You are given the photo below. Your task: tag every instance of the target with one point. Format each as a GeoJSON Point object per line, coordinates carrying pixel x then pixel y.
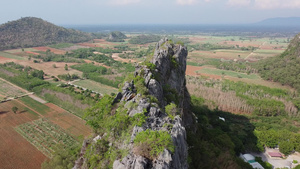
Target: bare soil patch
{"type": "Point", "coordinates": [15, 151]}
{"type": "Point", "coordinates": [33, 53]}
{"type": "Point", "coordinates": [191, 70]}
{"type": "Point", "coordinates": [116, 57]}
{"type": "Point", "coordinates": [4, 59]}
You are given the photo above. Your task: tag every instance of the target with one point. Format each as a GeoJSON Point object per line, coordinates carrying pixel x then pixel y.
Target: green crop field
{"type": "Point", "coordinates": [227, 73]}
{"type": "Point", "coordinates": [97, 87]}
{"type": "Point", "coordinates": [8, 90]}
{"type": "Point", "coordinates": [45, 135]}
{"type": "Point", "coordinates": [10, 56]}
{"type": "Point", "coordinates": [37, 106]}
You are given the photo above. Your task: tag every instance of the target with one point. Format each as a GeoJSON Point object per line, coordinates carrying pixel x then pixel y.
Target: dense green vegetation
{"type": "Point", "coordinates": [25, 77]}
{"type": "Point", "coordinates": [30, 31]}
{"type": "Point", "coordinates": [207, 46]}
{"type": "Point", "coordinates": [283, 68]}
{"type": "Point", "coordinates": [212, 139]}
{"type": "Point", "coordinates": [151, 143]}
{"type": "Point", "coordinates": [104, 117]}
{"type": "Point", "coordinates": [63, 158]}
{"type": "Point", "coordinates": [94, 73]}
{"type": "Point", "coordinates": [68, 77]}
{"type": "Point", "coordinates": [271, 116]}
{"type": "Point", "coordinates": [48, 56]}
{"type": "Point", "coordinates": [65, 96]}
{"type": "Point", "coordinates": [262, 100]}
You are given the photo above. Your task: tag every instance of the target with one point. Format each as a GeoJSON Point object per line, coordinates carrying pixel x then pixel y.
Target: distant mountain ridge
{"type": "Point", "coordinates": [31, 31]}
{"type": "Point", "coordinates": [281, 21]}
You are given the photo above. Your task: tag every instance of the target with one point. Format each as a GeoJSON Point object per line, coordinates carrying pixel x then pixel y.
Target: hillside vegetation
{"type": "Point", "coordinates": [30, 31]}
{"type": "Point", "coordinates": [285, 67]}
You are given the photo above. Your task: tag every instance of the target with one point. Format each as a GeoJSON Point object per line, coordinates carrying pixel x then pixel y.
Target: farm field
{"type": "Point", "coordinates": [226, 73]}
{"type": "Point", "coordinates": [34, 129]}
{"type": "Point", "coordinates": [13, 51]}
{"type": "Point", "coordinates": [7, 90]}
{"type": "Point", "coordinates": [11, 56]}
{"type": "Point", "coordinates": [15, 151]}
{"type": "Point", "coordinates": [95, 86]}
{"type": "Point", "coordinates": [53, 50]}
{"type": "Point", "coordinates": [45, 135]}
{"type": "Point", "coordinates": [48, 68]}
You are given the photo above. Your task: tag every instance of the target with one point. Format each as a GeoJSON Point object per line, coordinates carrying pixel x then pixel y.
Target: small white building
{"type": "Point", "coordinates": [248, 158]}
{"type": "Point", "coordinates": [251, 160]}
{"type": "Point", "coordinates": [256, 165]}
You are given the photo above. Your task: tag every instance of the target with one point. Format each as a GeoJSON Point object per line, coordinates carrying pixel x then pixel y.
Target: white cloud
{"type": "Point", "coordinates": [274, 4]}
{"type": "Point", "coordinates": [186, 2]}
{"type": "Point", "coordinates": [124, 2]}
{"type": "Point", "coordinates": [239, 2]}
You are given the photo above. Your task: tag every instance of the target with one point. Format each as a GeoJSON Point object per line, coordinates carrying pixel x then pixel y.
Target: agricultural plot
{"type": "Point", "coordinates": [7, 90]}
{"type": "Point", "coordinates": [48, 68]}
{"type": "Point", "coordinates": [45, 135]}
{"type": "Point", "coordinates": [227, 73]}
{"type": "Point", "coordinates": [97, 87]}
{"type": "Point", "coordinates": [53, 50]}
{"type": "Point", "coordinates": [72, 124]}
{"type": "Point", "coordinates": [35, 105]}
{"type": "Point", "coordinates": [11, 56]}
{"type": "Point", "coordinates": [15, 151]}
{"type": "Point", "coordinates": [12, 51]}
{"type": "Point", "coordinates": [220, 54]}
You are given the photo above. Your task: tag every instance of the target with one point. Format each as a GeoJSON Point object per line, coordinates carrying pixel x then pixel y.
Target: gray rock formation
{"type": "Point", "coordinates": [164, 80]}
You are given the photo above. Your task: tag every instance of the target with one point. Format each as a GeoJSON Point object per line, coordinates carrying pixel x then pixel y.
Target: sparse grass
{"type": "Point", "coordinates": [227, 73]}
{"type": "Point", "coordinates": [37, 106]}
{"type": "Point", "coordinates": [20, 50]}
{"type": "Point", "coordinates": [61, 45]}
{"type": "Point", "coordinates": [95, 86]}
{"type": "Point", "coordinates": [11, 56]}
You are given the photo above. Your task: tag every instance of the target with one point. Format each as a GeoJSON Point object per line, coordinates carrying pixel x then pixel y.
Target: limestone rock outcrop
{"type": "Point", "coordinates": [164, 79]}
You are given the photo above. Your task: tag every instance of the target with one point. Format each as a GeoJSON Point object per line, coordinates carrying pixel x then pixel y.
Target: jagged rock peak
{"type": "Point", "coordinates": [159, 93]}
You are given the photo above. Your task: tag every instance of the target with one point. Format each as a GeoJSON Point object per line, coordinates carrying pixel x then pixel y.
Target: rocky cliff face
{"type": "Point", "coordinates": [164, 81]}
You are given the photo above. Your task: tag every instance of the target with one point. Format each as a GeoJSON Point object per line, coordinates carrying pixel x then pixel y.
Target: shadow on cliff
{"type": "Point", "coordinates": [218, 138]}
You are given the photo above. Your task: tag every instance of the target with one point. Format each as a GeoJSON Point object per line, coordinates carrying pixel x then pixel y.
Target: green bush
{"type": "Point", "coordinates": [171, 110]}
{"type": "Point", "coordinates": [150, 143]}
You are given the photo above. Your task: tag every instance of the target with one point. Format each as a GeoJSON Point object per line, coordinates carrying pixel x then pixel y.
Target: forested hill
{"type": "Point", "coordinates": [284, 68]}
{"type": "Point", "coordinates": [31, 31]}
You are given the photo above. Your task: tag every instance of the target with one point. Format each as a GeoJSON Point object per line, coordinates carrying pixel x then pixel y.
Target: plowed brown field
{"type": "Point", "coordinates": [15, 151]}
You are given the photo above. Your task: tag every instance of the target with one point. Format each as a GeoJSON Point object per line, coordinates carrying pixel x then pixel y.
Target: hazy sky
{"type": "Point", "coordinates": [149, 11]}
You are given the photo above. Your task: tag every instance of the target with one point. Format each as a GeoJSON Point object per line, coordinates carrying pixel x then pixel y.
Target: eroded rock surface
{"type": "Point", "coordinates": [165, 81]}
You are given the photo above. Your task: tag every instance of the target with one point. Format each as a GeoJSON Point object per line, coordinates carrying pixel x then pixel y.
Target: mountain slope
{"type": "Point", "coordinates": [31, 31]}
{"type": "Point", "coordinates": [285, 67]}
{"type": "Point", "coordinates": [289, 21]}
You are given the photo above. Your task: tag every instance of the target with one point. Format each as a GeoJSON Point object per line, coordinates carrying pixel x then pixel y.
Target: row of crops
{"type": "Point", "coordinates": [45, 135]}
